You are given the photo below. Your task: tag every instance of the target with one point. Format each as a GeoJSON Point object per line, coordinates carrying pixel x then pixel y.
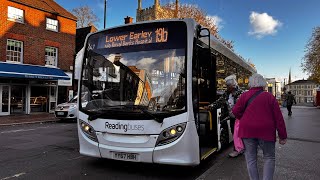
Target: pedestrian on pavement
{"type": "Point", "coordinates": [284, 99]}
{"type": "Point", "coordinates": [229, 98]}
{"type": "Point", "coordinates": [260, 117]}
{"type": "Point", "coordinates": [290, 100]}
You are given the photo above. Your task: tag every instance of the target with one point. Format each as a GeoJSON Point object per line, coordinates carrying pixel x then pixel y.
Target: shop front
{"type": "Point", "coordinates": [26, 89]}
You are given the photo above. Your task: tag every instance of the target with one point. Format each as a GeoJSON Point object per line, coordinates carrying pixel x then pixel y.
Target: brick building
{"type": "Point", "coordinates": [37, 47]}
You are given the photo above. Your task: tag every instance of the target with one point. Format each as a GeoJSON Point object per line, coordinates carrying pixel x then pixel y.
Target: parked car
{"type": "Point", "coordinates": [67, 110]}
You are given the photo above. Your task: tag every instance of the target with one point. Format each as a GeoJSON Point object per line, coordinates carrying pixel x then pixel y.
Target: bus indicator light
{"type": "Point", "coordinates": [88, 131]}
{"type": "Point", "coordinates": [170, 134]}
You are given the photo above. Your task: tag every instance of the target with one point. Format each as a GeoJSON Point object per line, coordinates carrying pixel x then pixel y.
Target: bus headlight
{"type": "Point", "coordinates": [88, 131]}
{"type": "Point", "coordinates": [170, 134]}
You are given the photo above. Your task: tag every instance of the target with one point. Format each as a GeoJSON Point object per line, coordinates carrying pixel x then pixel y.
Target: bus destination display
{"type": "Point", "coordinates": [131, 38]}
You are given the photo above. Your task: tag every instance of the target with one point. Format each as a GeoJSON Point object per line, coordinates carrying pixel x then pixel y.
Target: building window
{"type": "Point", "coordinates": [14, 50]}
{"type": "Point", "coordinates": [51, 56]}
{"type": "Point", "coordinates": [15, 14]}
{"type": "Point", "coordinates": [52, 24]}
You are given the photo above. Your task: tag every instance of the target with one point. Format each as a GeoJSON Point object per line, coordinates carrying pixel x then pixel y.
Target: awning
{"type": "Point", "coordinates": [31, 71]}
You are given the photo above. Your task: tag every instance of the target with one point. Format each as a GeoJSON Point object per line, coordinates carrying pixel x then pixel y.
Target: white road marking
{"type": "Point", "coordinates": [14, 176]}
{"type": "Point", "coordinates": [75, 158]}
{"type": "Point", "coordinates": [22, 130]}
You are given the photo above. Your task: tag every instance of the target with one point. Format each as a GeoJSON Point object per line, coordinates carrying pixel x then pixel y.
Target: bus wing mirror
{"type": "Point", "coordinates": [203, 32]}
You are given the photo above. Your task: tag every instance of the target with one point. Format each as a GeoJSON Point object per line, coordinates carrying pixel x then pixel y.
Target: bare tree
{"type": "Point", "coordinates": [311, 60]}
{"type": "Point", "coordinates": [85, 16]}
{"type": "Point", "coordinates": [168, 11]}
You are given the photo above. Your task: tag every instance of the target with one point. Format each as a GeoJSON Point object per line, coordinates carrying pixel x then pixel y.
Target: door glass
{"type": "Point", "coordinates": [5, 99]}
{"type": "Point", "coordinates": [18, 99]}
{"type": "Point", "coordinates": [52, 98]}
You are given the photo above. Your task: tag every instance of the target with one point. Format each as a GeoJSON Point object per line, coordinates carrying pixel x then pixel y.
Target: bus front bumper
{"type": "Point", "coordinates": [184, 151]}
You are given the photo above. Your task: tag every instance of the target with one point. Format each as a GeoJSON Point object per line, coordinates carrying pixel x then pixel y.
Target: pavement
{"type": "Point", "coordinates": [27, 119]}
{"type": "Point", "coordinates": [298, 159]}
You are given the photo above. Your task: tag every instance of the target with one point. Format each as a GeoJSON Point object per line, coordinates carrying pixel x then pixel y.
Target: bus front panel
{"type": "Point", "coordinates": [133, 86]}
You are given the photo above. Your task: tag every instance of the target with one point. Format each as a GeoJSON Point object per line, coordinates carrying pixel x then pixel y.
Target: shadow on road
{"type": "Point", "coordinates": [151, 171]}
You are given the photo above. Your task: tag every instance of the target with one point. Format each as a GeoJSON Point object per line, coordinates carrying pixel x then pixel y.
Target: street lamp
{"type": "Point", "coordinates": [275, 89]}
{"type": "Point", "coordinates": [105, 12]}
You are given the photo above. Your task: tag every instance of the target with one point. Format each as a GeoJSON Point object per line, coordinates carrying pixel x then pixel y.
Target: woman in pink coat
{"type": "Point", "coordinates": [259, 121]}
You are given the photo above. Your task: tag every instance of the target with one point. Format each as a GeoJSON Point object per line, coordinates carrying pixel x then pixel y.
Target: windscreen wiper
{"type": "Point", "coordinates": [143, 109]}
{"type": "Point", "coordinates": [94, 116]}
{"type": "Point", "coordinates": [159, 120]}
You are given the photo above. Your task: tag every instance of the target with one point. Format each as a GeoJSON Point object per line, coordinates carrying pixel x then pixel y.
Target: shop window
{"type": "Point", "coordinates": [51, 56]}
{"type": "Point", "coordinates": [14, 50]}
{"type": "Point", "coordinates": [18, 99]}
{"type": "Point", "coordinates": [52, 24]}
{"type": "Point", "coordinates": [15, 14]}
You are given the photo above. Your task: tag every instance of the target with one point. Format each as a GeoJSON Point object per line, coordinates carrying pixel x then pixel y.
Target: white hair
{"type": "Point", "coordinates": [257, 80]}
{"type": "Point", "coordinates": [231, 80]}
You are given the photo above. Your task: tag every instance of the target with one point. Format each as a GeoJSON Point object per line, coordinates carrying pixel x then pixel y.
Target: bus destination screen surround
{"type": "Point", "coordinates": [135, 72]}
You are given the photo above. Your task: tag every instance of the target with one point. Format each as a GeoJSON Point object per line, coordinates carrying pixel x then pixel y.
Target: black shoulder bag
{"type": "Point", "coordinates": [252, 98]}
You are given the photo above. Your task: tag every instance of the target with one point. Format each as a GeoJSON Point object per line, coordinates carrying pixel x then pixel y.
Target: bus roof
{"type": "Point", "coordinates": [214, 42]}
{"type": "Point", "coordinates": [223, 49]}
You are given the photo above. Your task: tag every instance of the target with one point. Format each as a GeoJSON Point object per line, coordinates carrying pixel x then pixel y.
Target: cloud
{"type": "Point", "coordinates": [216, 20]}
{"type": "Point", "coordinates": [263, 24]}
{"type": "Point", "coordinates": [145, 63]}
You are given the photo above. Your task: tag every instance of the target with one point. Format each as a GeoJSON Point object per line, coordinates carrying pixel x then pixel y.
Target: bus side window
{"type": "Point", "coordinates": [204, 74]}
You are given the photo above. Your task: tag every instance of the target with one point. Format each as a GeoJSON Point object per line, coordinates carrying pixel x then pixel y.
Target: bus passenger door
{"type": "Point", "coordinates": [203, 94]}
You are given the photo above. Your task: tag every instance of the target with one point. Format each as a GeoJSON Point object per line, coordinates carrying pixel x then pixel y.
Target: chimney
{"type": "Point", "coordinates": [128, 20]}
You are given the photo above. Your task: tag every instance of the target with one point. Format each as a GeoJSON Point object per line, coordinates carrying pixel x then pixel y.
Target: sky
{"type": "Point", "coordinates": [273, 34]}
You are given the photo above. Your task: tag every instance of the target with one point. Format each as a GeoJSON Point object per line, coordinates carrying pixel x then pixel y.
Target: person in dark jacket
{"type": "Point", "coordinates": [290, 100]}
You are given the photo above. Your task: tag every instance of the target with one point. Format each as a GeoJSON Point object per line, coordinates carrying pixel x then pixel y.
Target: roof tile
{"type": "Point", "coordinates": [47, 5]}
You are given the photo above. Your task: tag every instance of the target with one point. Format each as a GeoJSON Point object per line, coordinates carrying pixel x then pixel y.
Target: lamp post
{"type": "Point", "coordinates": [105, 12]}
{"type": "Point", "coordinates": [275, 89]}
